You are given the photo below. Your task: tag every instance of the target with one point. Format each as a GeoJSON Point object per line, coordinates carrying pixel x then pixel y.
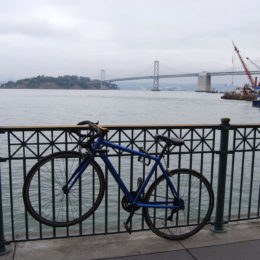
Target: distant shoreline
{"type": "Point", "coordinates": [62, 82]}
{"type": "Point", "coordinates": [57, 88]}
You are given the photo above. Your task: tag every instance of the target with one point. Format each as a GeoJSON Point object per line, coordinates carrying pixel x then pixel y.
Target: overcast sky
{"type": "Point", "coordinates": [81, 37]}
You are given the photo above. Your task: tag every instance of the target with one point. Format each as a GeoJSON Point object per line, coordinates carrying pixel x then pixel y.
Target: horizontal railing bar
{"type": "Point", "coordinates": [126, 127]}
{"type": "Point", "coordinates": [112, 127]}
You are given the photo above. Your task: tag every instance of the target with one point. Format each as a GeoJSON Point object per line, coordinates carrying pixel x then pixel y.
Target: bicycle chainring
{"type": "Point", "coordinates": [126, 203]}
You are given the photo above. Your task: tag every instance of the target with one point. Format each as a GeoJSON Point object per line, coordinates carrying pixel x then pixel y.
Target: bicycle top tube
{"type": "Point", "coordinates": [122, 148]}
{"type": "Point", "coordinates": [97, 131]}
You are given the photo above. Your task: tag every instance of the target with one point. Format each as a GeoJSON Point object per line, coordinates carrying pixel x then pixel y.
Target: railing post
{"type": "Point", "coordinates": [3, 249]}
{"type": "Point", "coordinates": [219, 219]}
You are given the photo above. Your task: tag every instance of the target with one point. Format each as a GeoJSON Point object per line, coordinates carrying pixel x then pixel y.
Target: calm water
{"type": "Point", "coordinates": [66, 107]}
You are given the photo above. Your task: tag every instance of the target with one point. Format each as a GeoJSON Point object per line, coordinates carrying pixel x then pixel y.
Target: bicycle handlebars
{"type": "Point", "coordinates": [101, 131]}
{"type": "Point", "coordinates": [86, 122]}
{"type": "Point", "coordinates": [94, 127]}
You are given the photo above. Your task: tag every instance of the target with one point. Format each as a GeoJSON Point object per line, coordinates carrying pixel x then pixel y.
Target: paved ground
{"type": "Point", "coordinates": [241, 241]}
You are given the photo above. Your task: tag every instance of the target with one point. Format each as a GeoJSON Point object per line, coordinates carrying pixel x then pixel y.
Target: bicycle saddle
{"type": "Point", "coordinates": [171, 141]}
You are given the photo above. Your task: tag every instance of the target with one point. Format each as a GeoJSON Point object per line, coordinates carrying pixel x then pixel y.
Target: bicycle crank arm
{"type": "Point", "coordinates": [128, 229]}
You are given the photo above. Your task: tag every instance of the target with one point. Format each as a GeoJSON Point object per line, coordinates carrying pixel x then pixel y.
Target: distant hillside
{"type": "Point", "coordinates": [62, 82]}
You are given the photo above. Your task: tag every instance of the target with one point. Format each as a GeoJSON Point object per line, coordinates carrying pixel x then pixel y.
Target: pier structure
{"type": "Point", "coordinates": [103, 78]}
{"type": "Point", "coordinates": [156, 76]}
{"type": "Point", "coordinates": [204, 82]}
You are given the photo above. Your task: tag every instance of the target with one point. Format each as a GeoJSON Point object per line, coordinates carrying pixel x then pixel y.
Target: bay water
{"type": "Point", "coordinates": [20, 107]}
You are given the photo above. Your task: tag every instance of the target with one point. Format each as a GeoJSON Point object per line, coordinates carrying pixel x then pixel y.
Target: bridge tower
{"type": "Point", "coordinates": [103, 73]}
{"type": "Point", "coordinates": [156, 76]}
{"type": "Point", "coordinates": [204, 82]}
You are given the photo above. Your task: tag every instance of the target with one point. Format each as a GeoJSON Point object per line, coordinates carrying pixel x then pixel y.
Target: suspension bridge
{"type": "Point", "coordinates": [203, 82]}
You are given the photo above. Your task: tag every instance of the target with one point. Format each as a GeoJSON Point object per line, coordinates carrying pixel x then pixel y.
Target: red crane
{"type": "Point", "coordinates": [253, 82]}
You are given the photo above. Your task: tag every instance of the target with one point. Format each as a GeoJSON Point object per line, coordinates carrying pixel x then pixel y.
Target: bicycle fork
{"type": "Point", "coordinates": [77, 173]}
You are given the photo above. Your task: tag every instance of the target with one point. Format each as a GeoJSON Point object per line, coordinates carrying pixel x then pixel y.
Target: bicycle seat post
{"type": "Point", "coordinates": [164, 149]}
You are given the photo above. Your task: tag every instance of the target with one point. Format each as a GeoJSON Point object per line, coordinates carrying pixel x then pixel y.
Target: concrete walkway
{"type": "Point", "coordinates": [241, 241]}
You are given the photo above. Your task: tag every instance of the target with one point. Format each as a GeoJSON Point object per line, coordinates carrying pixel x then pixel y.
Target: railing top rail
{"type": "Point", "coordinates": [64, 127]}
{"type": "Point", "coordinates": [148, 126]}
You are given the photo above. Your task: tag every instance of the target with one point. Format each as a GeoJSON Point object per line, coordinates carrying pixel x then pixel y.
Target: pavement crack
{"type": "Point", "coordinates": [15, 244]}
{"type": "Point", "coordinates": [188, 251]}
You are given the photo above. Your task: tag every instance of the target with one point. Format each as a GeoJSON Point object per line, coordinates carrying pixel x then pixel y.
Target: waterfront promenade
{"type": "Point", "coordinates": [241, 241]}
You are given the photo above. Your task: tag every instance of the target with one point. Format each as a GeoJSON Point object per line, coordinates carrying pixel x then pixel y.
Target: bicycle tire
{"type": "Point", "coordinates": [198, 197]}
{"type": "Point", "coordinates": [43, 195]}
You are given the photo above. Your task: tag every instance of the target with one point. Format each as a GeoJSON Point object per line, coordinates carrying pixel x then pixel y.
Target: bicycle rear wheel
{"type": "Point", "coordinates": [195, 192]}
{"type": "Point", "coordinates": [44, 197]}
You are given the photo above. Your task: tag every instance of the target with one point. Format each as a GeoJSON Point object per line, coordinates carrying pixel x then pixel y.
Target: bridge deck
{"type": "Point", "coordinates": [184, 75]}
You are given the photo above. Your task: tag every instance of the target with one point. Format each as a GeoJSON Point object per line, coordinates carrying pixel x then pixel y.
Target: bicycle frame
{"type": "Point", "coordinates": [134, 201]}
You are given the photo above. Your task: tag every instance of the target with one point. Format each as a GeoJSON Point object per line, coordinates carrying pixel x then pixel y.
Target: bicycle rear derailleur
{"type": "Point", "coordinates": [177, 203]}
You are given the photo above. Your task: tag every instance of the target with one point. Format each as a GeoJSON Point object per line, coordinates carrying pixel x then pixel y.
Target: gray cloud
{"type": "Point", "coordinates": [82, 37]}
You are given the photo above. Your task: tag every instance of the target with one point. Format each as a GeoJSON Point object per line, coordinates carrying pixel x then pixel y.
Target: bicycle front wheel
{"type": "Point", "coordinates": [45, 199]}
{"type": "Point", "coordinates": [197, 196]}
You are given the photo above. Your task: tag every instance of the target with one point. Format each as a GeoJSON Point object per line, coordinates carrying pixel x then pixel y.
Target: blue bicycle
{"type": "Point", "coordinates": [65, 188]}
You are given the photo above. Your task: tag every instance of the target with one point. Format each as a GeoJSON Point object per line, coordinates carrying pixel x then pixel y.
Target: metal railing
{"type": "Point", "coordinates": [227, 155]}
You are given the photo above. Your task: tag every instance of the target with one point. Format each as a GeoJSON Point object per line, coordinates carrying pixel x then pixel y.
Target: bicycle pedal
{"type": "Point", "coordinates": [128, 229]}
